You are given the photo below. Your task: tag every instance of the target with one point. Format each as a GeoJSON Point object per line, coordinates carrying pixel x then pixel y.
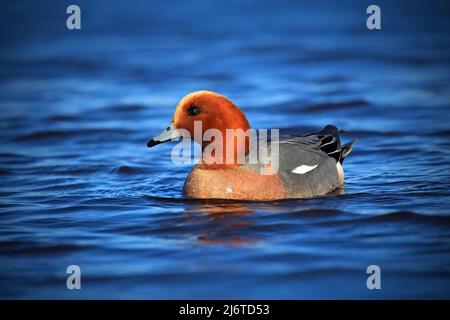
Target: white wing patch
{"type": "Point", "coordinates": [303, 169]}
{"type": "Point", "coordinates": [229, 190]}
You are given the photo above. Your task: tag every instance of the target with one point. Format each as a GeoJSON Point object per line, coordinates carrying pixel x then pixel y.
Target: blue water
{"type": "Point", "coordinates": [79, 186]}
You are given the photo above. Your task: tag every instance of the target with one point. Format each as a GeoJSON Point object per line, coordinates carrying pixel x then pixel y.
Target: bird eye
{"type": "Point", "coordinates": [193, 110]}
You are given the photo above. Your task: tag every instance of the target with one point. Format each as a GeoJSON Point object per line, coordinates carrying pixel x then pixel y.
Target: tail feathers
{"type": "Point", "coordinates": [346, 149]}
{"type": "Point", "coordinates": [330, 143]}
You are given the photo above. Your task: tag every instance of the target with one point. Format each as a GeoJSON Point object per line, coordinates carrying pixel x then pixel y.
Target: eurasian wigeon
{"type": "Point", "coordinates": [308, 165]}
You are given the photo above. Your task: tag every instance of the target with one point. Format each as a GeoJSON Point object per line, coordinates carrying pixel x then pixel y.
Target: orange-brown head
{"type": "Point", "coordinates": [212, 111]}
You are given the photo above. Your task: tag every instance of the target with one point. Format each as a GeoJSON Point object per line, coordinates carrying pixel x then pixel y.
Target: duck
{"type": "Point", "coordinates": [309, 165]}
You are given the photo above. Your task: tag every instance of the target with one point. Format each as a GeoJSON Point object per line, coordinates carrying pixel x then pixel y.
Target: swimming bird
{"type": "Point", "coordinates": [308, 165]}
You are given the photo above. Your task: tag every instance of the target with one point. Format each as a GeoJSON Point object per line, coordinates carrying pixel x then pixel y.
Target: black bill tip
{"type": "Point", "coordinates": [152, 143]}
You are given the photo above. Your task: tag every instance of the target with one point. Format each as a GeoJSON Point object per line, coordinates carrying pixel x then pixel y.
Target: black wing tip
{"type": "Point", "coordinates": [333, 147]}
{"type": "Point", "coordinates": [329, 129]}
{"type": "Point", "coordinates": [332, 130]}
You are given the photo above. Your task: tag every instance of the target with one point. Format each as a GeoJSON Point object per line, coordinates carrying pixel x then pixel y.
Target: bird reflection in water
{"type": "Point", "coordinates": [229, 223]}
